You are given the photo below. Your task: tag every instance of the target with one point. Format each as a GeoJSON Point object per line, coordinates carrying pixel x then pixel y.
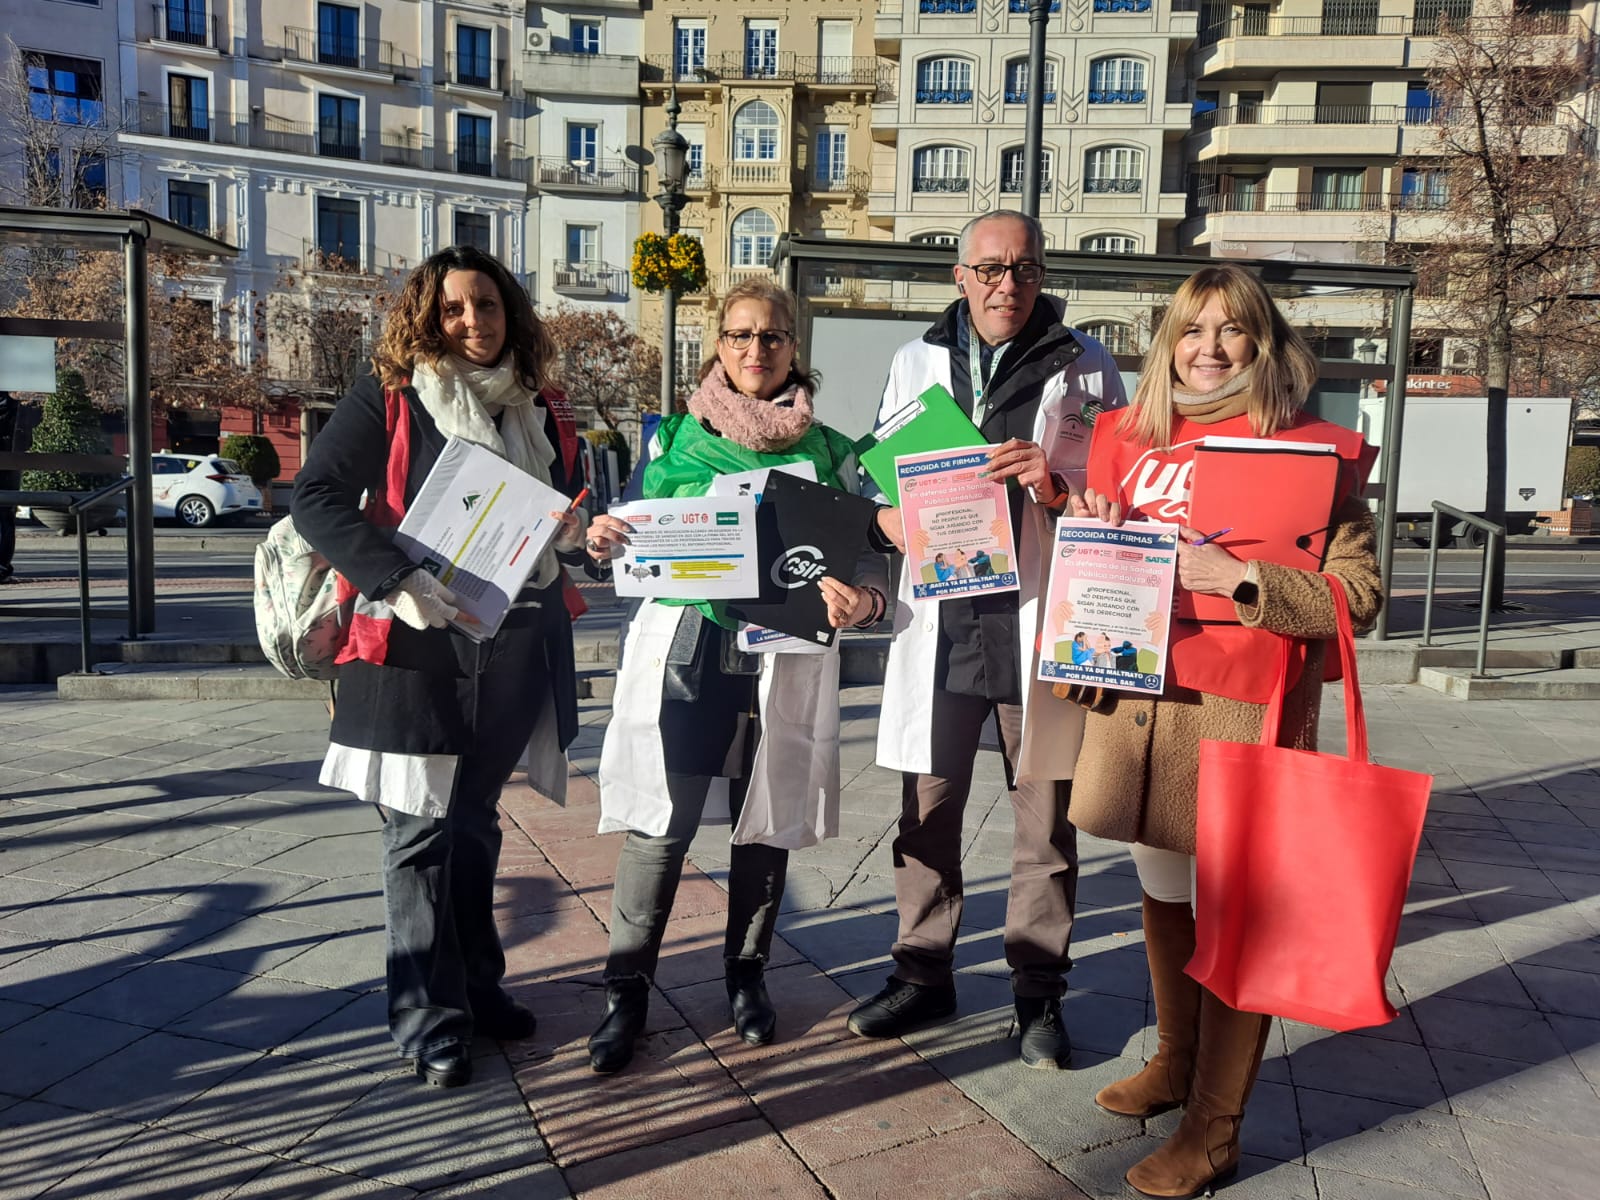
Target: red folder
{"type": "Point", "coordinates": [1278, 500]}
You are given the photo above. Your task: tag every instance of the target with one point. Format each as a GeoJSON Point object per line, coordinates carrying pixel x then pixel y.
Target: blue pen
{"type": "Point", "coordinates": [1211, 537]}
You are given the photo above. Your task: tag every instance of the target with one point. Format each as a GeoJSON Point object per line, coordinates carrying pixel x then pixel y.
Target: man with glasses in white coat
{"type": "Point", "coordinates": [1033, 388]}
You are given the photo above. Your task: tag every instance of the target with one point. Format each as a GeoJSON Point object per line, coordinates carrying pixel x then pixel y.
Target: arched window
{"type": "Point", "coordinates": [936, 239]}
{"type": "Point", "coordinates": [755, 132]}
{"type": "Point", "coordinates": [941, 169]}
{"type": "Point", "coordinates": [944, 81]}
{"type": "Point", "coordinates": [1116, 81]}
{"type": "Point", "coordinates": [1017, 81]}
{"type": "Point", "coordinates": [1011, 170]}
{"type": "Point", "coordinates": [755, 236]}
{"type": "Point", "coordinates": [1114, 169]}
{"type": "Point", "coordinates": [1114, 335]}
{"type": "Point", "coordinates": [1110, 243]}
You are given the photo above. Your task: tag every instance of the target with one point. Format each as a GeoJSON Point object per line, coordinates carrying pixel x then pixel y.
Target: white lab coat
{"type": "Point", "coordinates": [793, 795]}
{"type": "Point", "coordinates": [905, 722]}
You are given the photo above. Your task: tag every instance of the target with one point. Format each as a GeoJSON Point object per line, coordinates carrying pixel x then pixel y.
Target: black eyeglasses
{"type": "Point", "coordinates": [992, 273]}
{"type": "Point", "coordinates": [771, 339]}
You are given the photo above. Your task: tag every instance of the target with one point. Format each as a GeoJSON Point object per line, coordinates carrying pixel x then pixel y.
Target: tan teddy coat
{"type": "Point", "coordinates": [1139, 769]}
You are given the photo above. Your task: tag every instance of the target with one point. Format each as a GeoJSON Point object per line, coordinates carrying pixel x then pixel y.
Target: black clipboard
{"type": "Point", "coordinates": [804, 530]}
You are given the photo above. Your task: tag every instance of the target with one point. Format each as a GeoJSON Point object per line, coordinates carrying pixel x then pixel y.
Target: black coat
{"type": "Point", "coordinates": [423, 699]}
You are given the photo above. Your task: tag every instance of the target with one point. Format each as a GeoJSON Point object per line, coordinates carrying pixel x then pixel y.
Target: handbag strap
{"type": "Point", "coordinates": [1355, 717]}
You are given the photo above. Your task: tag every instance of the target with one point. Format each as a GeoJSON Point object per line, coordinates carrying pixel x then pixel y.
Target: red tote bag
{"type": "Point", "coordinates": [1303, 860]}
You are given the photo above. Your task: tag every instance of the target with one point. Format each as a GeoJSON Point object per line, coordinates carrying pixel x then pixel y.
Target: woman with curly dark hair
{"type": "Point", "coordinates": [429, 723]}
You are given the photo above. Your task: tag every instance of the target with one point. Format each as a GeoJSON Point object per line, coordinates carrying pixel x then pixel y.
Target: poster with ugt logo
{"type": "Point", "coordinates": [958, 524]}
{"type": "Point", "coordinates": [1108, 609]}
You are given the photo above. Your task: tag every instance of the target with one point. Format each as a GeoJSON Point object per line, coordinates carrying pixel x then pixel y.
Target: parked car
{"type": "Point", "coordinates": [199, 488]}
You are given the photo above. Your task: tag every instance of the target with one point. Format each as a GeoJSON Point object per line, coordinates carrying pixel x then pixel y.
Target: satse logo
{"type": "Point", "coordinates": [798, 566]}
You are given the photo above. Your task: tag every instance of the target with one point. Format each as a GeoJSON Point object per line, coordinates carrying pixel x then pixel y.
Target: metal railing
{"type": "Point", "coordinates": [1281, 202]}
{"type": "Point", "coordinates": [181, 24]}
{"type": "Point", "coordinates": [78, 505]}
{"type": "Point", "coordinates": [588, 278]}
{"type": "Point", "coordinates": [184, 124]}
{"type": "Point", "coordinates": [336, 50]}
{"type": "Point", "coordinates": [1496, 534]}
{"type": "Point", "coordinates": [598, 175]}
{"type": "Point", "coordinates": [1367, 23]}
{"type": "Point", "coordinates": [785, 65]}
{"type": "Point", "coordinates": [1347, 114]}
{"type": "Point", "coordinates": [475, 70]}
{"type": "Point", "coordinates": [405, 148]}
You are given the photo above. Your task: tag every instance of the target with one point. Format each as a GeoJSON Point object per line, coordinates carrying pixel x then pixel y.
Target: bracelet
{"type": "Point", "coordinates": [880, 605]}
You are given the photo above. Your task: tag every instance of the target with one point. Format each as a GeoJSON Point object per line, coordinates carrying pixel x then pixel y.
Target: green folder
{"type": "Point", "coordinates": [933, 421]}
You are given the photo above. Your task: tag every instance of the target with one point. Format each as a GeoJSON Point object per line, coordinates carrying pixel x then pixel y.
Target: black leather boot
{"type": "Point", "coordinates": [611, 1046]}
{"type": "Point", "coordinates": [449, 1066]}
{"type": "Point", "coordinates": [754, 1018]}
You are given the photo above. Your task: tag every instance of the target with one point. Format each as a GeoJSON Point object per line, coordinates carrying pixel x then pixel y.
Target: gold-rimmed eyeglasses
{"type": "Point", "coordinates": [771, 339]}
{"type": "Point", "coordinates": [991, 273]}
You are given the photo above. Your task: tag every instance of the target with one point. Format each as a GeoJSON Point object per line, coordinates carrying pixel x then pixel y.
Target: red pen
{"type": "Point", "coordinates": [578, 499]}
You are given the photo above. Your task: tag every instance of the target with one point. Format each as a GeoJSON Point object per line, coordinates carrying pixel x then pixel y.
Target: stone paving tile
{"type": "Point", "coordinates": [170, 879]}
{"type": "Point", "coordinates": [261, 1013]}
{"type": "Point", "coordinates": [62, 971]}
{"type": "Point", "coordinates": [746, 1159]}
{"type": "Point", "coordinates": [405, 1133]}
{"type": "Point", "coordinates": [54, 1045]}
{"type": "Point", "coordinates": [335, 857]}
{"type": "Point", "coordinates": [1420, 1149]}
{"type": "Point", "coordinates": [673, 1087]}
{"type": "Point", "coordinates": [246, 889]}
{"type": "Point", "coordinates": [984, 1160]}
{"type": "Point", "coordinates": [1531, 1164]}
{"type": "Point", "coordinates": [1575, 993]}
{"type": "Point", "coordinates": [1421, 973]}
{"type": "Point", "coordinates": [291, 1181]}
{"type": "Point", "coordinates": [335, 904]}
{"type": "Point", "coordinates": [83, 866]}
{"type": "Point", "coordinates": [356, 1037]}
{"type": "Point", "coordinates": [811, 1013]}
{"type": "Point", "coordinates": [159, 1162]}
{"type": "Point", "coordinates": [1340, 1185]}
{"type": "Point", "coordinates": [14, 1012]}
{"type": "Point", "coordinates": [854, 1098]}
{"type": "Point", "coordinates": [1459, 1025]}
{"type": "Point", "coordinates": [147, 1079]}
{"type": "Point", "coordinates": [354, 962]}
{"type": "Point", "coordinates": [154, 994]}
{"type": "Point", "coordinates": [272, 1104]}
{"type": "Point", "coordinates": [1553, 1096]}
{"type": "Point", "coordinates": [45, 1143]}
{"type": "Point", "coordinates": [241, 847]}
{"type": "Point", "coordinates": [251, 945]}
{"type": "Point", "coordinates": [161, 929]}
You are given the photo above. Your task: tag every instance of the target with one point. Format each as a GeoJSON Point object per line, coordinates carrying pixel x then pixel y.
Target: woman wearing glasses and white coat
{"type": "Point", "coordinates": [690, 709]}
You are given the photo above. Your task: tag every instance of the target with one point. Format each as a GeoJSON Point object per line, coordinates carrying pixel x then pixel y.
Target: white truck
{"type": "Point", "coordinates": [1443, 457]}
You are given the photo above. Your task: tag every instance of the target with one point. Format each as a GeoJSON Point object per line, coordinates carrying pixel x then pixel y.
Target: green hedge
{"type": "Point", "coordinates": [70, 425]}
{"type": "Point", "coordinates": [1583, 471]}
{"type": "Point", "coordinates": [255, 455]}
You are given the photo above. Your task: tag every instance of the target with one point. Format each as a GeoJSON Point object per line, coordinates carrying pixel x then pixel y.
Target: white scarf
{"type": "Point", "coordinates": [463, 400]}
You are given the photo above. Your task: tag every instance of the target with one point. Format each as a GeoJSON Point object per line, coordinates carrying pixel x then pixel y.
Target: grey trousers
{"type": "Point", "coordinates": [927, 858]}
{"type": "Point", "coordinates": [648, 871]}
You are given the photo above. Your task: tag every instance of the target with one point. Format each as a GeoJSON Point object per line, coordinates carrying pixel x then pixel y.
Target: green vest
{"type": "Point", "coordinates": [685, 458]}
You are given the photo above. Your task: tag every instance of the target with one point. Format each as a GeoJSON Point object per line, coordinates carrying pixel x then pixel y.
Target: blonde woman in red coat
{"type": "Point", "coordinates": [1223, 363]}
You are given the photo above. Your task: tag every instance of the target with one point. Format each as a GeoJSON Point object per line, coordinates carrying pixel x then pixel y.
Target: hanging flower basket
{"type": "Point", "coordinates": [677, 262]}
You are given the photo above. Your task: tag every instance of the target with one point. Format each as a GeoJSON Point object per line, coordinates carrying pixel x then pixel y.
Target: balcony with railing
{"type": "Point", "coordinates": [1255, 201]}
{"type": "Point", "coordinates": [852, 181]}
{"type": "Point", "coordinates": [1113, 185]}
{"type": "Point", "coordinates": [476, 71]}
{"type": "Point", "coordinates": [759, 175]}
{"type": "Point", "coordinates": [947, 7]}
{"type": "Point", "coordinates": [313, 47]}
{"type": "Point", "coordinates": [821, 71]}
{"type": "Point", "coordinates": [1011, 183]}
{"type": "Point", "coordinates": [1122, 6]}
{"type": "Point", "coordinates": [331, 260]}
{"type": "Point", "coordinates": [183, 124]}
{"type": "Point", "coordinates": [612, 176]}
{"type": "Point", "coordinates": [588, 280]}
{"type": "Point", "coordinates": [940, 184]}
{"type": "Point", "coordinates": [833, 70]}
{"type": "Point", "coordinates": [405, 148]}
{"type": "Point", "coordinates": [944, 95]}
{"type": "Point", "coordinates": [185, 25]}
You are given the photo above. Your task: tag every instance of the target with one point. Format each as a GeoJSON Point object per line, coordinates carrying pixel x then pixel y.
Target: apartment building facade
{"type": "Point", "coordinates": [776, 105]}
{"type": "Point", "coordinates": [581, 76]}
{"type": "Point", "coordinates": [1312, 131]}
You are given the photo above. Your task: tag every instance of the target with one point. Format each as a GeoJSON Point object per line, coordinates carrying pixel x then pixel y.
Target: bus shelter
{"type": "Point", "coordinates": [27, 349]}
{"type": "Point", "coordinates": [861, 300]}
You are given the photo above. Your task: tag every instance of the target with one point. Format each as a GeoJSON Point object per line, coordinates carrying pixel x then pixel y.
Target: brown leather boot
{"type": "Point", "coordinates": [1164, 1082]}
{"type": "Point", "coordinates": [1204, 1149]}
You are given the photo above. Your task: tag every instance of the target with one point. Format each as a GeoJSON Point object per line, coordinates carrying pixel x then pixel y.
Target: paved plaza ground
{"type": "Point", "coordinates": [191, 958]}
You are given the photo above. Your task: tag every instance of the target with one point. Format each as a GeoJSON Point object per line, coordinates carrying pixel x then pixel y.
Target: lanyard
{"type": "Point", "coordinates": [975, 367]}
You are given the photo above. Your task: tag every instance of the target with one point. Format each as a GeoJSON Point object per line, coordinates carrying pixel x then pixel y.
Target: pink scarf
{"type": "Point", "coordinates": [765, 426]}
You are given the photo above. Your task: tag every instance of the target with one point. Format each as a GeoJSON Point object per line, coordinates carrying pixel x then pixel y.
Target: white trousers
{"type": "Point", "coordinates": [1164, 875]}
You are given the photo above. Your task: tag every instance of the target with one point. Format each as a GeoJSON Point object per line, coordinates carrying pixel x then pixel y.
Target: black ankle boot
{"type": "Point", "coordinates": [611, 1046]}
{"type": "Point", "coordinates": [754, 1018]}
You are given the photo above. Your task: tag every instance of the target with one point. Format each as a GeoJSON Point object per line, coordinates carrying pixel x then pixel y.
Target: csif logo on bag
{"type": "Point", "coordinates": [798, 566]}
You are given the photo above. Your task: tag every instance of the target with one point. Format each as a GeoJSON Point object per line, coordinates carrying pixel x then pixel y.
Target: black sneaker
{"type": "Point", "coordinates": [900, 1007]}
{"type": "Point", "coordinates": [1044, 1043]}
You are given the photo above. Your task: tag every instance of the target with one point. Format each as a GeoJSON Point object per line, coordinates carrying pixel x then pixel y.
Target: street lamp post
{"type": "Point", "coordinates": [1033, 127]}
{"type": "Point", "coordinates": [671, 150]}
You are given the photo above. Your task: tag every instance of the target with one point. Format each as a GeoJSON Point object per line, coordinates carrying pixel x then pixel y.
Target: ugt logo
{"type": "Point", "coordinates": [798, 566]}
